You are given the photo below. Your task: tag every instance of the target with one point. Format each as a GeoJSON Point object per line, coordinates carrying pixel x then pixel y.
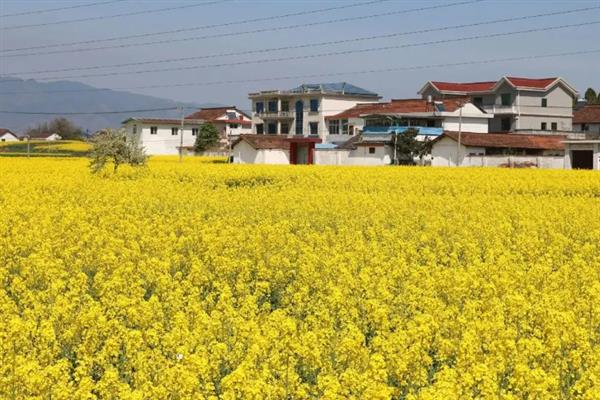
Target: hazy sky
{"type": "Point", "coordinates": [581, 70]}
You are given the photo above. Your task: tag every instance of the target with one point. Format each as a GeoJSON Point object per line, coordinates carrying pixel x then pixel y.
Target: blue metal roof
{"type": "Point", "coordinates": [337, 88]}
{"type": "Point", "coordinates": [325, 146]}
{"type": "Point", "coordinates": [423, 130]}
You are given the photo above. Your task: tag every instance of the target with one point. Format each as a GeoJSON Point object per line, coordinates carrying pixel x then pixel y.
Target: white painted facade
{"type": "Point", "coordinates": [589, 146]}
{"type": "Point", "coordinates": [52, 137]}
{"type": "Point", "coordinates": [472, 120]}
{"type": "Point", "coordinates": [244, 153]}
{"type": "Point", "coordinates": [361, 155]}
{"type": "Point", "coordinates": [158, 138]}
{"type": "Point", "coordinates": [8, 137]}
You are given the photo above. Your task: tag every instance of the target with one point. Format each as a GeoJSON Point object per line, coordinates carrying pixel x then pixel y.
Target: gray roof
{"type": "Point", "coordinates": [336, 88]}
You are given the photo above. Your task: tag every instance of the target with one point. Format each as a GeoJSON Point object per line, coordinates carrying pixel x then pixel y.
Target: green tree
{"type": "Point", "coordinates": [113, 146]}
{"type": "Point", "coordinates": [590, 96]}
{"type": "Point", "coordinates": [207, 137]}
{"type": "Point", "coordinates": [408, 147]}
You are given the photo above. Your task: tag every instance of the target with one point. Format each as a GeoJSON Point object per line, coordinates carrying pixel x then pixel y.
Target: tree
{"type": "Point", "coordinates": [590, 96]}
{"type": "Point", "coordinates": [408, 147]}
{"type": "Point", "coordinates": [207, 137]}
{"type": "Point", "coordinates": [62, 126]}
{"type": "Point", "coordinates": [113, 146]}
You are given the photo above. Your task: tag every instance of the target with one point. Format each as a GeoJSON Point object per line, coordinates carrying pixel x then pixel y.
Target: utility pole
{"type": "Point", "coordinates": [181, 136]}
{"type": "Point", "coordinates": [28, 146]}
{"type": "Point", "coordinates": [459, 135]}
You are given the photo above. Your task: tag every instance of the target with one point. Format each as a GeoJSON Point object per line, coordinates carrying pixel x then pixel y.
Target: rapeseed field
{"type": "Point", "coordinates": [204, 280]}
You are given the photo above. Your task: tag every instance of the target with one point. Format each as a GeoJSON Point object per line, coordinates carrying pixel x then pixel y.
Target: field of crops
{"type": "Point", "coordinates": [207, 280]}
{"type": "Point", "coordinates": [58, 148]}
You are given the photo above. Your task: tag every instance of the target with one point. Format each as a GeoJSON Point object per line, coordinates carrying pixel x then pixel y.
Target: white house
{"type": "Point", "coordinates": [164, 136]}
{"type": "Point", "coordinates": [6, 135]}
{"type": "Point", "coordinates": [301, 111]}
{"type": "Point", "coordinates": [47, 136]}
{"type": "Point", "coordinates": [358, 150]}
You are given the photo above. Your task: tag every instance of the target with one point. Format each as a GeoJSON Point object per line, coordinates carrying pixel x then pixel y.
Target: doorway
{"type": "Point", "coordinates": [582, 159]}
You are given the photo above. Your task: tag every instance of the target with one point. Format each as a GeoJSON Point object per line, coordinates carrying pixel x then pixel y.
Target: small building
{"type": "Point", "coordinates": [47, 136]}
{"type": "Point", "coordinates": [161, 136]}
{"type": "Point", "coordinates": [498, 150]}
{"type": "Point", "coordinates": [270, 149]}
{"type": "Point", "coordinates": [587, 119]}
{"type": "Point", "coordinates": [366, 150]}
{"type": "Point", "coordinates": [6, 135]}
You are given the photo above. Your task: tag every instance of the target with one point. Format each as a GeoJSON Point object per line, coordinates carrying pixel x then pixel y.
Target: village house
{"type": "Point", "coordinates": [587, 119]}
{"type": "Point", "coordinates": [47, 136]}
{"type": "Point", "coordinates": [301, 111]}
{"type": "Point", "coordinates": [161, 136]}
{"type": "Point", "coordinates": [522, 105]}
{"type": "Point", "coordinates": [6, 135]}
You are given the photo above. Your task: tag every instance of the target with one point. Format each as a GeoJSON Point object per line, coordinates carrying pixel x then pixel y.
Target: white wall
{"type": "Point", "coordinates": [162, 143]}
{"type": "Point", "coordinates": [243, 153]}
{"type": "Point", "coordinates": [8, 137]}
{"type": "Point", "coordinates": [53, 137]}
{"type": "Point", "coordinates": [359, 156]}
{"type": "Point", "coordinates": [478, 125]}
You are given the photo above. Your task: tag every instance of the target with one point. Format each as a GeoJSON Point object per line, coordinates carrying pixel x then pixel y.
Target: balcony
{"type": "Point", "coordinates": [499, 109]}
{"type": "Point", "coordinates": [275, 114]}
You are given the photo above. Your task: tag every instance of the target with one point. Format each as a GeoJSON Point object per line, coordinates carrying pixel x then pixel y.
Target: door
{"type": "Point", "coordinates": [582, 159]}
{"type": "Point", "coordinates": [302, 154]}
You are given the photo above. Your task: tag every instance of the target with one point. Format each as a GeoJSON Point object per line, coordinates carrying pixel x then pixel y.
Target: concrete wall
{"type": "Point", "coordinates": [243, 153]}
{"type": "Point", "coordinates": [359, 156]}
{"type": "Point", "coordinates": [595, 147]}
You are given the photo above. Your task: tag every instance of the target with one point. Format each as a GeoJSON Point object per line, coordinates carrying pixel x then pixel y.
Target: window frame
{"type": "Point", "coordinates": [310, 128]}
{"type": "Point", "coordinates": [259, 107]}
{"type": "Point", "coordinates": [195, 131]}
{"type": "Point", "coordinates": [372, 150]}
{"type": "Point", "coordinates": [287, 128]}
{"type": "Point", "coordinates": [544, 126]}
{"type": "Point", "coordinates": [174, 131]}
{"type": "Point", "coordinates": [260, 129]}
{"type": "Point", "coordinates": [334, 126]}
{"type": "Point", "coordinates": [154, 130]}
{"type": "Point", "coordinates": [505, 96]}
{"type": "Point", "coordinates": [271, 124]}
{"type": "Point", "coordinates": [554, 126]}
{"type": "Point", "coordinates": [544, 102]}
{"type": "Point", "coordinates": [273, 106]}
{"type": "Point", "coordinates": [312, 103]}
{"type": "Point", "coordinates": [502, 126]}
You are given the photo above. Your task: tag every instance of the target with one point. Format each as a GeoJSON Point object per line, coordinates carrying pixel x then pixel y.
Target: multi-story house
{"type": "Point", "coordinates": [162, 136]}
{"type": "Point", "coordinates": [587, 119]}
{"type": "Point", "coordinates": [301, 111]}
{"type": "Point", "coordinates": [520, 105]}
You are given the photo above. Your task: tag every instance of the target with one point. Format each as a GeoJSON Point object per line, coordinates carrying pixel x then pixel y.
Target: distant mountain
{"type": "Point", "coordinates": [76, 97]}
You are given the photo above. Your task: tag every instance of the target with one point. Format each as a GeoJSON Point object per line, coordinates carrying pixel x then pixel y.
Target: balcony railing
{"type": "Point", "coordinates": [275, 114]}
{"type": "Point", "coordinates": [500, 109]}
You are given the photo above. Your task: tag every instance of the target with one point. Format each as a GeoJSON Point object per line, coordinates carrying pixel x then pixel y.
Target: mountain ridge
{"type": "Point", "coordinates": [29, 95]}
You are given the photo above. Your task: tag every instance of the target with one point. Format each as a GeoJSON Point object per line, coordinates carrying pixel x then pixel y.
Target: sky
{"type": "Point", "coordinates": [40, 29]}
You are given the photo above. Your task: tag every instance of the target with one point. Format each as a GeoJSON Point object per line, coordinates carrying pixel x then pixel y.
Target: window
{"type": "Point", "coordinates": [478, 101]}
{"type": "Point", "coordinates": [506, 99]}
{"type": "Point", "coordinates": [260, 129]}
{"type": "Point", "coordinates": [273, 105]}
{"type": "Point", "coordinates": [314, 128]}
{"type": "Point", "coordinates": [231, 115]}
{"type": "Point", "coordinates": [194, 131]}
{"type": "Point", "coordinates": [299, 117]}
{"type": "Point", "coordinates": [233, 126]}
{"type": "Point", "coordinates": [544, 126]}
{"type": "Point", "coordinates": [314, 105]}
{"type": "Point", "coordinates": [334, 127]}
{"type": "Point", "coordinates": [345, 130]}
{"type": "Point", "coordinates": [285, 128]}
{"type": "Point", "coordinates": [260, 107]}
{"type": "Point", "coordinates": [505, 124]}
{"type": "Point", "coordinates": [554, 126]}
{"type": "Point", "coordinates": [153, 130]}
{"type": "Point", "coordinates": [134, 129]}
{"type": "Point", "coordinates": [285, 105]}
{"type": "Point", "coordinates": [272, 128]}
{"type": "Point", "coordinates": [174, 131]}
{"type": "Point", "coordinates": [544, 102]}
{"type": "Point", "coordinates": [371, 150]}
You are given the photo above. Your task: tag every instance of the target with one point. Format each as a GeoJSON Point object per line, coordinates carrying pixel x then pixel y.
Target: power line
{"type": "Point", "coordinates": [247, 21]}
{"type": "Point", "coordinates": [47, 10]}
{"type": "Point", "coordinates": [327, 54]}
{"type": "Point", "coordinates": [87, 113]}
{"type": "Point", "coordinates": [311, 76]}
{"type": "Point", "coordinates": [240, 33]}
{"type": "Point", "coordinates": [102, 17]}
{"type": "Point", "coordinates": [307, 45]}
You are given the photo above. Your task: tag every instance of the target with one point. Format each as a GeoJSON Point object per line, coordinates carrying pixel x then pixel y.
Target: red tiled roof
{"type": "Point", "coordinates": [541, 83]}
{"type": "Point", "coordinates": [508, 140]}
{"type": "Point", "coordinates": [464, 87]}
{"type": "Point", "coordinates": [211, 114]}
{"type": "Point", "coordinates": [164, 121]}
{"type": "Point", "coordinates": [589, 114]}
{"type": "Point", "coordinates": [397, 106]}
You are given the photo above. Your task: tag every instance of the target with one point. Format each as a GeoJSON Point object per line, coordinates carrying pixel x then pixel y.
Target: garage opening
{"type": "Point", "coordinates": [582, 159]}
